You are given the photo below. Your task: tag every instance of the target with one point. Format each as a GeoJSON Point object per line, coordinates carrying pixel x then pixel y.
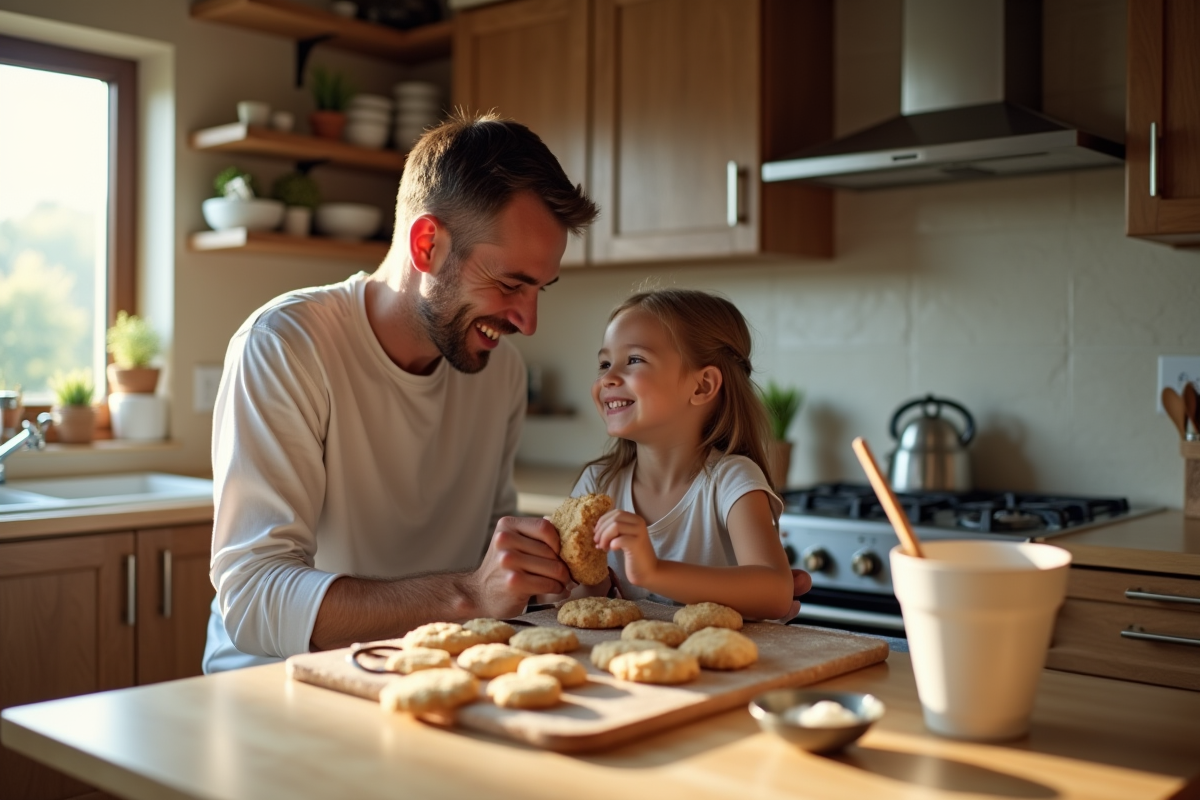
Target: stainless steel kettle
{"type": "Point", "coordinates": [931, 453]}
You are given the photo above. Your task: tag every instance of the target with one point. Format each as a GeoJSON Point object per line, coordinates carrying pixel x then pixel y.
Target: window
{"type": "Point", "coordinates": [67, 181]}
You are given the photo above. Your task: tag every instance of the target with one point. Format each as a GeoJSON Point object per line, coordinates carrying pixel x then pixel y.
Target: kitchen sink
{"type": "Point", "coordinates": [100, 490]}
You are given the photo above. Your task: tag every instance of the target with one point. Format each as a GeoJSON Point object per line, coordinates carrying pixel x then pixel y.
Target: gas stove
{"type": "Point", "coordinates": [839, 534]}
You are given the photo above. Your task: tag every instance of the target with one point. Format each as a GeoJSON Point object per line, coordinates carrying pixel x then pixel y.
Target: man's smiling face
{"type": "Point", "coordinates": [474, 300]}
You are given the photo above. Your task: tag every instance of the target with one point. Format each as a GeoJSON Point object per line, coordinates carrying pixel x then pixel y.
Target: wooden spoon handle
{"type": "Point", "coordinates": [1191, 406]}
{"type": "Point", "coordinates": [1173, 404]}
{"type": "Point", "coordinates": [908, 538]}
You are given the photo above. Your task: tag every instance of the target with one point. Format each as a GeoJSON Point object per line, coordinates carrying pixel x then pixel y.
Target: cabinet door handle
{"type": "Point", "coordinates": [733, 204]}
{"type": "Point", "coordinates": [1154, 159]}
{"type": "Point", "coordinates": [130, 590]}
{"type": "Point", "coordinates": [1138, 594]}
{"type": "Point", "coordinates": [168, 590]}
{"type": "Point", "coordinates": [1136, 632]}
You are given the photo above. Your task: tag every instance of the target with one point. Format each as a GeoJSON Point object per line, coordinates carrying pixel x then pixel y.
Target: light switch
{"type": "Point", "coordinates": [206, 378]}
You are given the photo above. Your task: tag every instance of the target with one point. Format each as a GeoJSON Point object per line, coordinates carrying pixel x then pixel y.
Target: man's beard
{"type": "Point", "coordinates": [449, 324]}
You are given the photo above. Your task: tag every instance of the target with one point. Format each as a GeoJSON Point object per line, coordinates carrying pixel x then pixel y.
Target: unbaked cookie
{"type": "Point", "coordinates": [575, 520]}
{"type": "Point", "coordinates": [668, 633]}
{"type": "Point", "coordinates": [492, 630]}
{"type": "Point", "coordinates": [607, 651]}
{"type": "Point", "coordinates": [525, 691]}
{"type": "Point", "coordinates": [491, 659]}
{"type": "Point", "coordinates": [598, 612]}
{"type": "Point", "coordinates": [564, 669]}
{"type": "Point", "coordinates": [448, 636]}
{"type": "Point", "coordinates": [545, 640]}
{"type": "Point", "coordinates": [430, 691]}
{"type": "Point", "coordinates": [707, 615]}
{"type": "Point", "coordinates": [414, 659]}
{"type": "Point", "coordinates": [665, 666]}
{"type": "Point", "coordinates": [721, 648]}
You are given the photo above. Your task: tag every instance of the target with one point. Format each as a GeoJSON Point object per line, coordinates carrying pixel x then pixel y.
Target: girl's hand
{"type": "Point", "coordinates": [624, 530]}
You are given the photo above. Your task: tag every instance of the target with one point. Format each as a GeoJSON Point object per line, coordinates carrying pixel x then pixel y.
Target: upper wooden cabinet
{"type": "Point", "coordinates": [1162, 140]}
{"type": "Point", "coordinates": [529, 61]}
{"type": "Point", "coordinates": [691, 96]}
{"type": "Point", "coordinates": [665, 110]}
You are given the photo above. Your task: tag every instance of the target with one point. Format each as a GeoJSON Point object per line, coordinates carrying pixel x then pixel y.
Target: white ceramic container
{"type": "Point", "coordinates": [139, 417]}
{"type": "Point", "coordinates": [256, 214]}
{"type": "Point", "coordinates": [348, 220]}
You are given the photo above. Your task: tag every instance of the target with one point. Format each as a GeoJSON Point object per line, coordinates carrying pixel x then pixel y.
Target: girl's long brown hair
{"type": "Point", "coordinates": [707, 331]}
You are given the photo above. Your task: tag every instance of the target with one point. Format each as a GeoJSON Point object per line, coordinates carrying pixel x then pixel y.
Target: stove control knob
{"type": "Point", "coordinates": [815, 559]}
{"type": "Point", "coordinates": [790, 552]}
{"type": "Point", "coordinates": [865, 563]}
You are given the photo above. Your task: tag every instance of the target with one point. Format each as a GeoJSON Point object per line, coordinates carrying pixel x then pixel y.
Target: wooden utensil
{"type": "Point", "coordinates": [1173, 404]}
{"type": "Point", "coordinates": [1190, 405]}
{"type": "Point", "coordinates": [908, 538]}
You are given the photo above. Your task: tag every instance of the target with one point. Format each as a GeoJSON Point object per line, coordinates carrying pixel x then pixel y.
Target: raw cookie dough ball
{"type": "Point", "coordinates": [448, 636]}
{"type": "Point", "coordinates": [668, 633]}
{"type": "Point", "coordinates": [607, 651]}
{"type": "Point", "coordinates": [598, 612]}
{"type": "Point", "coordinates": [490, 660]}
{"type": "Point", "coordinates": [491, 630]}
{"type": "Point", "coordinates": [545, 640]}
{"type": "Point", "coordinates": [721, 648]}
{"type": "Point", "coordinates": [430, 691]}
{"type": "Point", "coordinates": [707, 615]}
{"type": "Point", "coordinates": [525, 691]}
{"type": "Point", "coordinates": [663, 666]}
{"type": "Point", "coordinates": [415, 659]}
{"type": "Point", "coordinates": [564, 669]}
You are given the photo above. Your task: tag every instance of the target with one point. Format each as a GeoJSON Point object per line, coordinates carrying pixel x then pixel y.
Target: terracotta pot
{"type": "Point", "coordinates": [74, 424]}
{"type": "Point", "coordinates": [132, 380]}
{"type": "Point", "coordinates": [779, 457]}
{"type": "Point", "coordinates": [327, 124]}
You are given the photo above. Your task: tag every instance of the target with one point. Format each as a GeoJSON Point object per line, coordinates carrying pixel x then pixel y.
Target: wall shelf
{"type": "Point", "coordinates": [253, 140]}
{"type": "Point", "coordinates": [301, 23]}
{"type": "Point", "coordinates": [239, 240]}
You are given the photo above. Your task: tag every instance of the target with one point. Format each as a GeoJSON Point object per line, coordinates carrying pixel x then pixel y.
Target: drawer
{"type": "Point", "coordinates": [1088, 638]}
{"type": "Point", "coordinates": [1141, 590]}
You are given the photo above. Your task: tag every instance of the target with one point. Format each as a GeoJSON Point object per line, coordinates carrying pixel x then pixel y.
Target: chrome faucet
{"type": "Point", "coordinates": [32, 436]}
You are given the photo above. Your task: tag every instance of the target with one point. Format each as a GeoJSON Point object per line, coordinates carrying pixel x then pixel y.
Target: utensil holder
{"type": "Point", "coordinates": [1191, 478]}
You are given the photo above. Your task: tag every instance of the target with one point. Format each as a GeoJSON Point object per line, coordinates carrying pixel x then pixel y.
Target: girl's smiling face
{"type": "Point", "coordinates": [642, 387]}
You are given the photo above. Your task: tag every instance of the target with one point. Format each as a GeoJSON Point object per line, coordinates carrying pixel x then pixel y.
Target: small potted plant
{"type": "Point", "coordinates": [331, 92]}
{"type": "Point", "coordinates": [300, 195]}
{"type": "Point", "coordinates": [74, 417]}
{"type": "Point", "coordinates": [782, 405]}
{"type": "Point", "coordinates": [133, 344]}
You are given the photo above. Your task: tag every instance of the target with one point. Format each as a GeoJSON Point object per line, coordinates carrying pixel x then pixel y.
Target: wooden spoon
{"type": "Point", "coordinates": [908, 538]}
{"type": "Point", "coordinates": [1190, 403]}
{"type": "Point", "coordinates": [1175, 409]}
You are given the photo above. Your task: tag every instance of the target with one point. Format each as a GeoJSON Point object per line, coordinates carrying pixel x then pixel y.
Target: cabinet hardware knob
{"type": "Point", "coordinates": [1154, 159]}
{"type": "Point", "coordinates": [733, 204]}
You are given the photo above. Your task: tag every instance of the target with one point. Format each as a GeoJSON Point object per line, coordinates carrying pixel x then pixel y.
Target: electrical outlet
{"type": "Point", "coordinates": [1176, 371]}
{"type": "Point", "coordinates": [205, 380]}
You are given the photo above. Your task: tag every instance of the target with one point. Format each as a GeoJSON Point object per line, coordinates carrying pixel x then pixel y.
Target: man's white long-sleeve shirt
{"type": "Point", "coordinates": [330, 460]}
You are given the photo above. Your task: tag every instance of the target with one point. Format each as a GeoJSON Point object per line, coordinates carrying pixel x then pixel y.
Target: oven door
{"type": "Point", "coordinates": [851, 611]}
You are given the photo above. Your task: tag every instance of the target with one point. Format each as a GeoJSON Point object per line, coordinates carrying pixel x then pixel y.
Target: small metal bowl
{"type": "Point", "coordinates": [778, 713]}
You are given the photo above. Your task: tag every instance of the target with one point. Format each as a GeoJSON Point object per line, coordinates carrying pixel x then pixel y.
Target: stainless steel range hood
{"type": "Point", "coordinates": [971, 81]}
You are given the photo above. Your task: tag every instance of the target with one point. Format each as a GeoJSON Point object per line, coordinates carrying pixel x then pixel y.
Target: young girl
{"type": "Point", "coordinates": [694, 516]}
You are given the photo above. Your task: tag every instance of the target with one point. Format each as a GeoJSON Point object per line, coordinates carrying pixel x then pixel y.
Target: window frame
{"type": "Point", "coordinates": [121, 76]}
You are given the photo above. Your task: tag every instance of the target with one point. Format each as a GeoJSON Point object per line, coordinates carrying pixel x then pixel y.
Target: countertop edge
{"type": "Point", "coordinates": [98, 519]}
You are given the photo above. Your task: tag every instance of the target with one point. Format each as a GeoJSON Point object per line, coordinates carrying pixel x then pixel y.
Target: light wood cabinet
{"type": "Point", "coordinates": [665, 110]}
{"type": "Point", "coordinates": [83, 614]}
{"type": "Point", "coordinates": [530, 61]}
{"type": "Point", "coordinates": [690, 98]}
{"type": "Point", "coordinates": [1162, 140]}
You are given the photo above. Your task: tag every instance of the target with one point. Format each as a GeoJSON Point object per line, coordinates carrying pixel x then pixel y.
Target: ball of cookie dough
{"type": "Point", "coordinates": [607, 651]}
{"type": "Point", "coordinates": [491, 630]}
{"type": "Point", "coordinates": [566, 670]}
{"type": "Point", "coordinates": [598, 612]}
{"type": "Point", "coordinates": [525, 691]}
{"type": "Point", "coordinates": [665, 666]}
{"type": "Point", "coordinates": [545, 640]}
{"type": "Point", "coordinates": [668, 633]}
{"type": "Point", "coordinates": [430, 691]}
{"type": "Point", "coordinates": [721, 648]}
{"type": "Point", "coordinates": [707, 615]}
{"type": "Point", "coordinates": [415, 659]}
{"type": "Point", "coordinates": [448, 636]}
{"type": "Point", "coordinates": [575, 520]}
{"type": "Point", "coordinates": [491, 659]}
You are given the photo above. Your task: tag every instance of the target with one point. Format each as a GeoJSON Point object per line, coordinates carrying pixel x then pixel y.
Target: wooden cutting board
{"type": "Point", "coordinates": [606, 712]}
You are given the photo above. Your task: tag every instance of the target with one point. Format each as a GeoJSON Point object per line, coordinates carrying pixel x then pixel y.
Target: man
{"type": "Point", "coordinates": [365, 432]}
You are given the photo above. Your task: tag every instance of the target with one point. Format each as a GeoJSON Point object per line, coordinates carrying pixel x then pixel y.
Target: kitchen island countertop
{"type": "Point", "coordinates": [255, 734]}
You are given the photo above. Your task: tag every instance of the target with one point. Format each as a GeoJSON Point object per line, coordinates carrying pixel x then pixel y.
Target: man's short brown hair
{"type": "Point", "coordinates": [467, 169]}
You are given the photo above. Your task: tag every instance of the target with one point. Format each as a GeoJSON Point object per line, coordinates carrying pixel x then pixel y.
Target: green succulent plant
{"type": "Point", "coordinates": [782, 406]}
{"type": "Point", "coordinates": [228, 174]}
{"type": "Point", "coordinates": [73, 388]}
{"type": "Point", "coordinates": [330, 90]}
{"type": "Point", "coordinates": [296, 189]}
{"type": "Point", "coordinates": [131, 341]}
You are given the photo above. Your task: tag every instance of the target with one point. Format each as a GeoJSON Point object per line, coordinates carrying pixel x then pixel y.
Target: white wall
{"type": "Point", "coordinates": [1020, 298]}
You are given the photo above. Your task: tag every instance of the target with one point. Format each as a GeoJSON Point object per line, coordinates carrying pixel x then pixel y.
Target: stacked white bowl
{"type": "Point", "coordinates": [417, 108]}
{"type": "Point", "coordinates": [368, 117]}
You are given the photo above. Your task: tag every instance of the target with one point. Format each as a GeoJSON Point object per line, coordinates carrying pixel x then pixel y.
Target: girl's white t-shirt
{"type": "Point", "coordinates": [695, 531]}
